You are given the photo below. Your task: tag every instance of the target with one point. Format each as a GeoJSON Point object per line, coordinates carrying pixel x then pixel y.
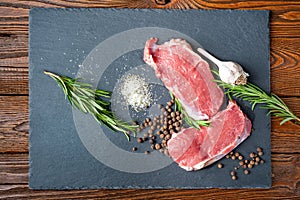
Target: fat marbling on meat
{"type": "Point", "coordinates": [194, 149]}
{"type": "Point", "coordinates": [189, 78]}
{"type": "Point", "coordinates": [186, 75]}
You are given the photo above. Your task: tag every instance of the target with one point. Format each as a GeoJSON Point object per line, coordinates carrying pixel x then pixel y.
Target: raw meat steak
{"type": "Point", "coordinates": [186, 75]}
{"type": "Point", "coordinates": [194, 149]}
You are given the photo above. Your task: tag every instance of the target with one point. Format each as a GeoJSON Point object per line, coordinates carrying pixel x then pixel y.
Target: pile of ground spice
{"type": "Point", "coordinates": [136, 92]}
{"type": "Point", "coordinates": [255, 159]}
{"type": "Point", "coordinates": [160, 128]}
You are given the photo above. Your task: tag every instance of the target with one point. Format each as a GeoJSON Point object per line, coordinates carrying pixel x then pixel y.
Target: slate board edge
{"type": "Point", "coordinates": [96, 187]}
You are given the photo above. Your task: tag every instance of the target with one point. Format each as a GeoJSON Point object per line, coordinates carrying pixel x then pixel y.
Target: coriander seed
{"type": "Point", "coordinates": [140, 140]}
{"type": "Point", "coordinates": [158, 146]}
{"type": "Point", "coordinates": [151, 141]}
{"type": "Point", "coordinates": [258, 149]}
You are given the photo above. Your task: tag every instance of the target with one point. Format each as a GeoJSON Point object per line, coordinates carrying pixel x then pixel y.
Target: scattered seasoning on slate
{"type": "Point", "coordinates": [245, 164]}
{"type": "Point", "coordinates": [147, 152]}
{"type": "Point", "coordinates": [158, 146]}
{"type": "Point", "coordinates": [151, 141]}
{"type": "Point", "coordinates": [258, 149]}
{"type": "Point", "coordinates": [220, 165]}
{"type": "Point", "coordinates": [163, 126]}
{"type": "Point", "coordinates": [166, 152]}
{"type": "Point", "coordinates": [140, 140]}
{"type": "Point", "coordinates": [136, 92]}
{"type": "Point", "coordinates": [134, 148]}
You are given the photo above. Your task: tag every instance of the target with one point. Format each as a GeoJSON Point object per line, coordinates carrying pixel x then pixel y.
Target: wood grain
{"type": "Point", "coordinates": [14, 124]}
{"type": "Point", "coordinates": [285, 52]}
{"type": "Point", "coordinates": [182, 4]}
{"type": "Point", "coordinates": [285, 81]}
{"type": "Point", "coordinates": [22, 192]}
{"type": "Point", "coordinates": [14, 127]}
{"type": "Point", "coordinates": [14, 169]}
{"type": "Point", "coordinates": [285, 67]}
{"type": "Point", "coordinates": [14, 21]}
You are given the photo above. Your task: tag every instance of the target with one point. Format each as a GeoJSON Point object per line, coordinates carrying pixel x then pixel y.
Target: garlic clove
{"type": "Point", "coordinates": [232, 73]}
{"type": "Point", "coordinates": [229, 72]}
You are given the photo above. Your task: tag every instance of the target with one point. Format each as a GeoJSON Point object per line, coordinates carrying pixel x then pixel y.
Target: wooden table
{"type": "Point", "coordinates": [285, 81]}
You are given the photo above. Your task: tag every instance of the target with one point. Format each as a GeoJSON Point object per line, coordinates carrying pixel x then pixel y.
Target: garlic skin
{"type": "Point", "coordinates": [229, 72]}
{"type": "Point", "coordinates": [232, 73]}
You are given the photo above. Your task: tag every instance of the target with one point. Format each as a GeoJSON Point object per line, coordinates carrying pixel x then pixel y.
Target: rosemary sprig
{"type": "Point", "coordinates": [83, 97]}
{"type": "Point", "coordinates": [190, 121]}
{"type": "Point", "coordinates": [255, 95]}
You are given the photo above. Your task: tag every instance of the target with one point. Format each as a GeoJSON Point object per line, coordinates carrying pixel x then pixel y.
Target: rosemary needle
{"type": "Point", "coordinates": [190, 121]}
{"type": "Point", "coordinates": [83, 97]}
{"type": "Point", "coordinates": [255, 95]}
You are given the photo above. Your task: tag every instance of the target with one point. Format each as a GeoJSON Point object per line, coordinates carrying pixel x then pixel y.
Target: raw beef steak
{"type": "Point", "coordinates": [194, 149]}
{"type": "Point", "coordinates": [186, 75]}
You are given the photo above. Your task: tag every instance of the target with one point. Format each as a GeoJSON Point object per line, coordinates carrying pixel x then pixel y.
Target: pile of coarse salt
{"type": "Point", "coordinates": [136, 91]}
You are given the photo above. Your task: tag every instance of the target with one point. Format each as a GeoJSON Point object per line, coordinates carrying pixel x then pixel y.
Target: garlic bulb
{"type": "Point", "coordinates": [232, 73]}
{"type": "Point", "coordinates": [229, 72]}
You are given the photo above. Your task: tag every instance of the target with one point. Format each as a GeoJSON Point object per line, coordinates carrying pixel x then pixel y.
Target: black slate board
{"type": "Point", "coordinates": [69, 150]}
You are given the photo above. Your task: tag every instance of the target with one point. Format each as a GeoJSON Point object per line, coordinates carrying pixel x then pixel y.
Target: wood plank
{"type": "Point", "coordinates": [14, 168]}
{"type": "Point", "coordinates": [14, 127]}
{"type": "Point", "coordinates": [285, 67]}
{"type": "Point", "coordinates": [283, 23]}
{"type": "Point", "coordinates": [208, 4]}
{"type": "Point", "coordinates": [22, 192]}
{"type": "Point", "coordinates": [286, 138]}
{"type": "Point", "coordinates": [14, 50]}
{"type": "Point", "coordinates": [14, 124]}
{"type": "Point", "coordinates": [286, 178]}
{"type": "Point", "coordinates": [13, 45]}
{"type": "Point", "coordinates": [13, 80]}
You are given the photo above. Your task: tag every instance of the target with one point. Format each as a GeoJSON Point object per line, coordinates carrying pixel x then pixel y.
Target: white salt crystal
{"type": "Point", "coordinates": [136, 91]}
